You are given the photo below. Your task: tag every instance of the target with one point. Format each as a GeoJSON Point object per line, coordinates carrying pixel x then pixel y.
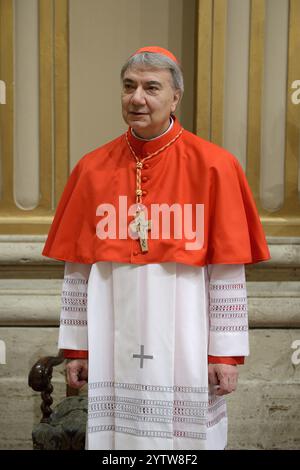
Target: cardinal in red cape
{"type": "Point", "coordinates": [155, 229]}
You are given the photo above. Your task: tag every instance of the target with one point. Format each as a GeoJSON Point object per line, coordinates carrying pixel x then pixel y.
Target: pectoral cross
{"type": "Point", "coordinates": [141, 226]}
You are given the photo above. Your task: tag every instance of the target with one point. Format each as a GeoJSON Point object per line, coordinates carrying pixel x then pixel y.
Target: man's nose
{"type": "Point", "coordinates": [138, 96]}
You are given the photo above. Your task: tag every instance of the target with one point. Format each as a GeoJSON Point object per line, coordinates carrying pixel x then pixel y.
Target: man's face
{"type": "Point", "coordinates": [148, 99]}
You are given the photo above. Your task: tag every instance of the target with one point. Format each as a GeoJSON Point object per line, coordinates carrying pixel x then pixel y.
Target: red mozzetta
{"type": "Point", "coordinates": [189, 172]}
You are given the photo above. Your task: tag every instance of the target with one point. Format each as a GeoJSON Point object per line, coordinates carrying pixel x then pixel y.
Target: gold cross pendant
{"type": "Point", "coordinates": [141, 226]}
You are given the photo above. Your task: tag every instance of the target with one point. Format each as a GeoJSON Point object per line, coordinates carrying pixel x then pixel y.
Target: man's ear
{"type": "Point", "coordinates": [176, 100]}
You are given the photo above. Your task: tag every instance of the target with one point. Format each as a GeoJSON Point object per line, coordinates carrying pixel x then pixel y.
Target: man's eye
{"type": "Point", "coordinates": [153, 88]}
{"type": "Point", "coordinates": [127, 86]}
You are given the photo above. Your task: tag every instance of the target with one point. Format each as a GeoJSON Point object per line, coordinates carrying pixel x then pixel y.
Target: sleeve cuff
{"type": "Point", "coordinates": [234, 360]}
{"type": "Point", "coordinates": [74, 354]}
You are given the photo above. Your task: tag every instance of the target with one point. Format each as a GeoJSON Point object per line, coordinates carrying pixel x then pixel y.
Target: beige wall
{"type": "Point", "coordinates": [103, 33]}
{"type": "Point", "coordinates": [247, 67]}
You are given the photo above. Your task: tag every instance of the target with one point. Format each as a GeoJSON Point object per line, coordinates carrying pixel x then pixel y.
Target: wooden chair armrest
{"type": "Point", "coordinates": [39, 379]}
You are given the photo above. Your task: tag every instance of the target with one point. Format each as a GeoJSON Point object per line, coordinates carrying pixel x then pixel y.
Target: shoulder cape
{"type": "Point", "coordinates": [233, 230]}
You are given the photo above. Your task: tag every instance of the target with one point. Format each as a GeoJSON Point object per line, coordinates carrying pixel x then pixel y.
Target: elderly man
{"type": "Point", "coordinates": [155, 228]}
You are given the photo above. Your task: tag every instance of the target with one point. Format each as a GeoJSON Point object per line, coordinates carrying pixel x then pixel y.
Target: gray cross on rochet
{"type": "Point", "coordinates": [142, 356]}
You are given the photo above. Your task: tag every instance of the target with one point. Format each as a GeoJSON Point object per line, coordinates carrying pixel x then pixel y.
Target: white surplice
{"type": "Point", "coordinates": [149, 329]}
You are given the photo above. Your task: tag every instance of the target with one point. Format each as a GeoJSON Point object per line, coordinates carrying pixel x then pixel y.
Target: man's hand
{"type": "Point", "coordinates": [224, 377]}
{"type": "Point", "coordinates": [77, 373]}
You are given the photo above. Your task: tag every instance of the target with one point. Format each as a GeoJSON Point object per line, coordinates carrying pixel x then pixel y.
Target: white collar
{"type": "Point", "coordinates": [157, 137]}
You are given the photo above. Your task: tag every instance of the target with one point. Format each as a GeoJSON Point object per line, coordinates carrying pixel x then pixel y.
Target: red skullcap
{"type": "Point", "coordinates": [157, 50]}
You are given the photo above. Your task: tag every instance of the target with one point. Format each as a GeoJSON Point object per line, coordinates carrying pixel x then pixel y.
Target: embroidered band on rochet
{"type": "Point", "coordinates": [148, 419]}
{"type": "Point", "coordinates": [201, 417]}
{"type": "Point", "coordinates": [229, 285]}
{"type": "Point", "coordinates": [96, 401]}
{"type": "Point", "coordinates": [147, 433]}
{"type": "Point", "coordinates": [147, 387]}
{"type": "Point", "coordinates": [152, 411]}
{"type": "Point", "coordinates": [228, 306]}
{"type": "Point", "coordinates": [113, 409]}
{"type": "Point", "coordinates": [73, 322]}
{"type": "Point", "coordinates": [74, 302]}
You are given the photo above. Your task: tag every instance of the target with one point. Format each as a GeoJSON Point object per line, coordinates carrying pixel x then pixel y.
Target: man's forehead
{"type": "Point", "coordinates": [146, 74]}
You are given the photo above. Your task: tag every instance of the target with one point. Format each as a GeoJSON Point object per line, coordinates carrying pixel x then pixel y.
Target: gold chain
{"type": "Point", "coordinates": [140, 163]}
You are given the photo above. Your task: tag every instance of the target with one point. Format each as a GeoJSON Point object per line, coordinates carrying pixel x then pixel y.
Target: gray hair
{"type": "Point", "coordinates": [156, 61]}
